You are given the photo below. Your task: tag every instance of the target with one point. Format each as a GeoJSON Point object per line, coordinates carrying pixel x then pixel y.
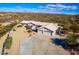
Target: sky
{"type": "Point", "coordinates": [52, 8]}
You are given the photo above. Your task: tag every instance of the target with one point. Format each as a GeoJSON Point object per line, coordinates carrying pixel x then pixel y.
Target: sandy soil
{"type": "Point", "coordinates": [18, 35]}
{"type": "Point", "coordinates": [2, 40]}
{"type": "Point", "coordinates": [38, 45]}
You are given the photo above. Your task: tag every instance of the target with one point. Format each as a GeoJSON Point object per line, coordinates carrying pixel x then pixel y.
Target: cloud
{"type": "Point", "coordinates": [49, 8]}
{"type": "Point", "coordinates": [24, 9]}
{"type": "Point", "coordinates": [59, 7]}
{"type": "Point", "coordinates": [15, 9]}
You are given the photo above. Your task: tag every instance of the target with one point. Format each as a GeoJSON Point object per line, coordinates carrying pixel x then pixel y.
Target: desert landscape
{"type": "Point", "coordinates": [35, 33]}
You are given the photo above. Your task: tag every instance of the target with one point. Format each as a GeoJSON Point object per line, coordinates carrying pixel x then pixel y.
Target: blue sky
{"type": "Point", "coordinates": [53, 8]}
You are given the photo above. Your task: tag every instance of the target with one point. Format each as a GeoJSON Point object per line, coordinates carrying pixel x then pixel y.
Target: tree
{"type": "Point", "coordinates": [71, 39]}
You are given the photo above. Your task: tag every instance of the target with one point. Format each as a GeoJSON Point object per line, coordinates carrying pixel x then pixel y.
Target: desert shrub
{"type": "Point", "coordinates": [8, 42]}
{"type": "Point", "coordinates": [71, 39]}
{"type": "Point", "coordinates": [27, 27]}
{"type": "Point", "coordinates": [74, 27]}
{"type": "Point", "coordinates": [29, 30]}
{"type": "Point", "coordinates": [5, 29]}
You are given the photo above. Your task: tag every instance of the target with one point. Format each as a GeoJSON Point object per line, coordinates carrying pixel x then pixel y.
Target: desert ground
{"type": "Point", "coordinates": [24, 43]}
{"type": "Point", "coordinates": [17, 35]}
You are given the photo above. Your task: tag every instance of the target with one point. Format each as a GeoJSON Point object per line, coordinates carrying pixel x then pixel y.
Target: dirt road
{"type": "Point", "coordinates": [17, 35]}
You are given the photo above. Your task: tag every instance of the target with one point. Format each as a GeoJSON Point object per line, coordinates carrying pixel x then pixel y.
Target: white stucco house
{"type": "Point", "coordinates": [48, 30]}
{"type": "Point", "coordinates": [44, 28]}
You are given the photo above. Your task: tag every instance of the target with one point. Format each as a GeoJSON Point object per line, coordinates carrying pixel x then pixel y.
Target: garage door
{"type": "Point", "coordinates": [46, 33]}
{"type": "Point", "coordinates": [39, 32]}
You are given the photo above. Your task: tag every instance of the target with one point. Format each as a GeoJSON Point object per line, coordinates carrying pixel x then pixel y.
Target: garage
{"type": "Point", "coordinates": [45, 31]}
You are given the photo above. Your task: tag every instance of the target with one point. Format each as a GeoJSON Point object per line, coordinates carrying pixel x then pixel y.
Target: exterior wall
{"type": "Point", "coordinates": [33, 28]}
{"type": "Point", "coordinates": [40, 32]}
{"type": "Point", "coordinates": [54, 32]}
{"type": "Point", "coordinates": [30, 25]}
{"type": "Point", "coordinates": [45, 32]}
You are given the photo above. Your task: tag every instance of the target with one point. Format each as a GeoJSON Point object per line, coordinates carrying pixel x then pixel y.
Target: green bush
{"type": "Point", "coordinates": [27, 27]}
{"type": "Point", "coordinates": [5, 29]}
{"type": "Point", "coordinates": [29, 30]}
{"type": "Point", "coordinates": [8, 42]}
{"type": "Point", "coordinates": [71, 39]}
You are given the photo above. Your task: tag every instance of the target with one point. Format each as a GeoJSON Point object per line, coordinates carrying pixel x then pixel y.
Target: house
{"type": "Point", "coordinates": [49, 29]}
{"type": "Point", "coordinates": [45, 31]}
{"type": "Point", "coordinates": [42, 27]}
{"type": "Point", "coordinates": [35, 27]}
{"type": "Point", "coordinates": [32, 24]}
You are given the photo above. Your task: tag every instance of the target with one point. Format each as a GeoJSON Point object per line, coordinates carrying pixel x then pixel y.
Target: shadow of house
{"type": "Point", "coordinates": [60, 42]}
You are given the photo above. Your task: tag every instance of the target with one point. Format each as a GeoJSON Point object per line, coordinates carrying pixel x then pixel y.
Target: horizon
{"type": "Point", "coordinates": [48, 8]}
